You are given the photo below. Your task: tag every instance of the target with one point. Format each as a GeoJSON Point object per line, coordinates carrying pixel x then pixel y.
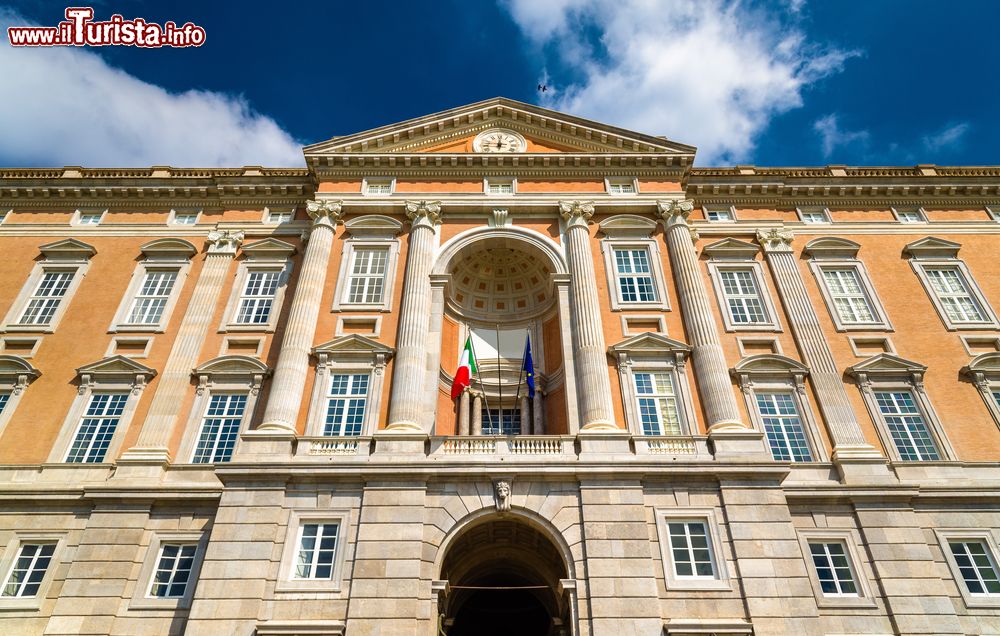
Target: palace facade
{"type": "Point", "coordinates": [764, 400]}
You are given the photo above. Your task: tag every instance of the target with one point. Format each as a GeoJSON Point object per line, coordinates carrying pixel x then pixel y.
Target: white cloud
{"type": "Point", "coordinates": [67, 106]}
{"type": "Point", "coordinates": [833, 136]}
{"type": "Point", "coordinates": [706, 72]}
{"type": "Point", "coordinates": [950, 135]}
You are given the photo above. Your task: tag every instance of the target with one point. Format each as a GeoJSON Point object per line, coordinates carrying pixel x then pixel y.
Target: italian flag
{"type": "Point", "coordinates": [466, 367]}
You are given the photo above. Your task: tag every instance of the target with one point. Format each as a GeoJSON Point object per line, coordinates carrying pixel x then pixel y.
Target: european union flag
{"type": "Point", "coordinates": [529, 367]}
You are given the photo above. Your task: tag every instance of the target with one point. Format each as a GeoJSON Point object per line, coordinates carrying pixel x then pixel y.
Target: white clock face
{"type": "Point", "coordinates": [498, 141]}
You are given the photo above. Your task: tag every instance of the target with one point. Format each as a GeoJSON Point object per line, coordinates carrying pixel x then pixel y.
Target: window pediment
{"type": "Point", "coordinates": [232, 370]}
{"type": "Point", "coordinates": [67, 249]}
{"type": "Point", "coordinates": [627, 226]}
{"type": "Point", "coordinates": [375, 226]}
{"type": "Point", "coordinates": [932, 247]}
{"type": "Point", "coordinates": [115, 369]}
{"type": "Point", "coordinates": [17, 372]}
{"type": "Point", "coordinates": [988, 363]}
{"type": "Point", "coordinates": [768, 366]}
{"type": "Point", "coordinates": [831, 247]}
{"type": "Point", "coordinates": [269, 249]}
{"type": "Point", "coordinates": [886, 365]}
{"type": "Point", "coordinates": [650, 345]}
{"type": "Point", "coordinates": [353, 347]}
{"type": "Point", "coordinates": [730, 248]}
{"type": "Point", "coordinates": [168, 248]}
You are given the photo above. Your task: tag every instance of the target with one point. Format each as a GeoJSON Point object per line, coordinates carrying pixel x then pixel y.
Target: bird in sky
{"type": "Point", "coordinates": [542, 88]}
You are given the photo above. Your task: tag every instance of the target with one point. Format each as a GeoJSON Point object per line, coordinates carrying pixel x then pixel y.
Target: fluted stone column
{"type": "Point", "coordinates": [409, 369]}
{"type": "Point", "coordinates": [289, 379]}
{"type": "Point", "coordinates": [710, 367]}
{"type": "Point", "coordinates": [589, 351]}
{"type": "Point", "coordinates": [848, 439]}
{"type": "Point", "coordinates": [158, 428]}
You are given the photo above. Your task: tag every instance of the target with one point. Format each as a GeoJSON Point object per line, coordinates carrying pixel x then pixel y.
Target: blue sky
{"type": "Point", "coordinates": [781, 83]}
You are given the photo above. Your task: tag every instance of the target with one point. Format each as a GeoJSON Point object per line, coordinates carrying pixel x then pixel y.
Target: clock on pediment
{"type": "Point", "coordinates": [499, 140]}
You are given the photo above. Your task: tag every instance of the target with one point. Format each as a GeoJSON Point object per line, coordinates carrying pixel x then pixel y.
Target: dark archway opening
{"type": "Point", "coordinates": [503, 577]}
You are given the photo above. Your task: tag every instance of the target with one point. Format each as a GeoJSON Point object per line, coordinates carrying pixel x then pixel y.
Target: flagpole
{"type": "Point", "coordinates": [524, 357]}
{"type": "Point", "coordinates": [486, 401]}
{"type": "Point", "coordinates": [496, 326]}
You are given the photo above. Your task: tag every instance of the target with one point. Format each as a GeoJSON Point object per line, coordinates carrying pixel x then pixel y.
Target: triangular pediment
{"type": "Point", "coordinates": [353, 344]}
{"type": "Point", "coordinates": [731, 248]}
{"type": "Point", "coordinates": [886, 363]}
{"type": "Point", "coordinates": [932, 247]}
{"type": "Point", "coordinates": [116, 366]}
{"type": "Point", "coordinates": [70, 249]}
{"type": "Point", "coordinates": [543, 131]}
{"type": "Point", "coordinates": [649, 343]}
{"type": "Point", "coordinates": [269, 248]}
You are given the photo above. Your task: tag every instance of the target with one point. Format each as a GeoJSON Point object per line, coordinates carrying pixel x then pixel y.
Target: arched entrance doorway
{"type": "Point", "coordinates": [504, 578]}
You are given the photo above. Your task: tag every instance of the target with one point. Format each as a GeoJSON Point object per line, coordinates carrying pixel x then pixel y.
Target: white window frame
{"type": "Point", "coordinates": [10, 554]}
{"type": "Point", "coordinates": [721, 579]}
{"type": "Point", "coordinates": [773, 373]}
{"type": "Point", "coordinates": [141, 598]}
{"type": "Point", "coordinates": [161, 255]}
{"type": "Point", "coordinates": [802, 211]}
{"type": "Point", "coordinates": [497, 180]}
{"type": "Point", "coordinates": [67, 255]}
{"type": "Point", "coordinates": [992, 210]}
{"type": "Point", "coordinates": [366, 191]}
{"type": "Point", "coordinates": [989, 537]}
{"type": "Point", "coordinates": [271, 214]}
{"type": "Point", "coordinates": [15, 376]}
{"type": "Point", "coordinates": [898, 212]}
{"type": "Point", "coordinates": [984, 372]}
{"type": "Point", "coordinates": [608, 248]}
{"type": "Point", "coordinates": [299, 517]}
{"type": "Point", "coordinates": [5, 214]}
{"type": "Point", "coordinates": [886, 372]}
{"type": "Point", "coordinates": [175, 213]}
{"type": "Point", "coordinates": [620, 181]}
{"type": "Point", "coordinates": [920, 266]}
{"type": "Point", "coordinates": [881, 319]}
{"type": "Point", "coordinates": [859, 568]}
{"type": "Point", "coordinates": [224, 374]}
{"type": "Point", "coordinates": [269, 255]}
{"type": "Point", "coordinates": [350, 354]}
{"type": "Point", "coordinates": [654, 353]}
{"type": "Point", "coordinates": [716, 267]}
{"type": "Point", "coordinates": [731, 209]}
{"type": "Point", "coordinates": [369, 231]}
{"type": "Point", "coordinates": [78, 215]}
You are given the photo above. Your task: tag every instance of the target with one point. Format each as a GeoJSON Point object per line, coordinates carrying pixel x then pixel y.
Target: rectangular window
{"type": "Point", "coordinates": [953, 292]}
{"type": "Point", "coordinates": [185, 218]}
{"type": "Point", "coordinates": [848, 294]}
{"type": "Point", "coordinates": [346, 403]}
{"type": "Point", "coordinates": [378, 187]}
{"type": "Point", "coordinates": [173, 570]}
{"type": "Point", "coordinates": [258, 297]}
{"type": "Point", "coordinates": [97, 427]}
{"type": "Point", "coordinates": [906, 425]}
{"type": "Point", "coordinates": [45, 300]}
{"type": "Point", "coordinates": [147, 308]}
{"type": "Point", "coordinates": [909, 216]}
{"type": "Point", "coordinates": [635, 278]}
{"type": "Point", "coordinates": [833, 569]}
{"type": "Point", "coordinates": [719, 214]}
{"type": "Point", "coordinates": [367, 281]}
{"type": "Point", "coordinates": [499, 186]}
{"type": "Point", "coordinates": [220, 428]}
{"type": "Point", "coordinates": [280, 217]}
{"type": "Point", "coordinates": [690, 552]}
{"type": "Point", "coordinates": [623, 186]}
{"type": "Point", "coordinates": [657, 402]}
{"type": "Point", "coordinates": [814, 215]}
{"type": "Point", "coordinates": [316, 550]}
{"type": "Point", "coordinates": [90, 218]}
{"type": "Point", "coordinates": [29, 569]}
{"type": "Point", "coordinates": [996, 398]}
{"type": "Point", "coordinates": [4, 398]}
{"type": "Point", "coordinates": [739, 287]}
{"type": "Point", "coordinates": [501, 421]}
{"type": "Point", "coordinates": [783, 427]}
{"type": "Point", "coordinates": [977, 566]}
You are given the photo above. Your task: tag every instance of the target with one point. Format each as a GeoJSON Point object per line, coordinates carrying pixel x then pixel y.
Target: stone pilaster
{"type": "Point", "coordinates": [477, 413]}
{"type": "Point", "coordinates": [158, 428]}
{"type": "Point", "coordinates": [849, 443]}
{"type": "Point", "coordinates": [589, 350]}
{"type": "Point", "coordinates": [463, 413]}
{"type": "Point", "coordinates": [409, 369]}
{"type": "Point", "coordinates": [289, 380]}
{"type": "Point", "coordinates": [709, 362]}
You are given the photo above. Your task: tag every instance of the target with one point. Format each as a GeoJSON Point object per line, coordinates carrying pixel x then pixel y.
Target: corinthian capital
{"type": "Point", "coordinates": [325, 211]}
{"type": "Point", "coordinates": [776, 239]}
{"type": "Point", "coordinates": [423, 213]}
{"type": "Point", "coordinates": [224, 241]}
{"type": "Point", "coordinates": [676, 210]}
{"type": "Point", "coordinates": [576, 213]}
